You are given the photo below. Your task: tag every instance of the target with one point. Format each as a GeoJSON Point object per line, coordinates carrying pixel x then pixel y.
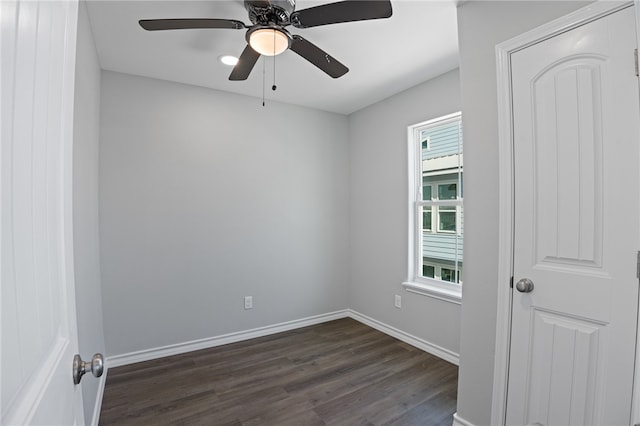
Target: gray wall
{"type": "Point", "coordinates": [85, 204]}
{"type": "Point", "coordinates": [482, 25]}
{"type": "Point", "coordinates": [379, 211]}
{"type": "Point", "coordinates": [206, 197]}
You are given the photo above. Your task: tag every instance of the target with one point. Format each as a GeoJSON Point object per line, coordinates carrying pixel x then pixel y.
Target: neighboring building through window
{"type": "Point", "coordinates": [436, 208]}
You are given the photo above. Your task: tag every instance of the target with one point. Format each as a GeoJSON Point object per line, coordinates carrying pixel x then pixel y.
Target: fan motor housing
{"type": "Point", "coordinates": [269, 12]}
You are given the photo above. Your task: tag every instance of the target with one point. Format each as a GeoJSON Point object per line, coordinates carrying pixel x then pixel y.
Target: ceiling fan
{"type": "Point", "coordinates": [268, 36]}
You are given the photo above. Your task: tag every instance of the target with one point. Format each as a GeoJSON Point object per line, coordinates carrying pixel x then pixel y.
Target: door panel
{"type": "Point", "coordinates": [567, 348]}
{"type": "Point", "coordinates": [568, 158]}
{"type": "Point", "coordinates": [576, 229]}
{"type": "Point", "coordinates": [38, 306]}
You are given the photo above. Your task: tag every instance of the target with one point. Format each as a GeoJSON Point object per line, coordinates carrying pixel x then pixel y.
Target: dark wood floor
{"type": "Point", "coordinates": [337, 373]}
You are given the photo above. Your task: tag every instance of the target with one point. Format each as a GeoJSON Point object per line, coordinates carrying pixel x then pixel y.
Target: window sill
{"type": "Point", "coordinates": [448, 295]}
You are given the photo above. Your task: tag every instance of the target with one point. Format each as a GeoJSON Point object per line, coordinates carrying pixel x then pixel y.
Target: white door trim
{"type": "Point", "coordinates": [635, 408]}
{"type": "Point", "coordinates": [505, 189]}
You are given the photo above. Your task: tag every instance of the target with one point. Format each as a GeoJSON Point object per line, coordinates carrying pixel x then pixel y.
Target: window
{"type": "Point", "coordinates": [450, 275]}
{"type": "Point", "coordinates": [440, 272]}
{"type": "Point", "coordinates": [447, 191]}
{"type": "Point", "coordinates": [436, 207]}
{"type": "Point", "coordinates": [426, 192]}
{"type": "Point", "coordinates": [424, 141]}
{"type": "Point", "coordinates": [447, 219]}
{"type": "Point", "coordinates": [429, 271]}
{"type": "Point", "coordinates": [426, 219]}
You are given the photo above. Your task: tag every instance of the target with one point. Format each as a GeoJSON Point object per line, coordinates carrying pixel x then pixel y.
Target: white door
{"type": "Point", "coordinates": [39, 335]}
{"type": "Point", "coordinates": [576, 226]}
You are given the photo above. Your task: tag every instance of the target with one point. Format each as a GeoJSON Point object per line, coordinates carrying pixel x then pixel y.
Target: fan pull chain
{"type": "Point", "coordinates": [274, 74]}
{"type": "Point", "coordinates": [274, 61]}
{"type": "Point", "coordinates": [263, 77]}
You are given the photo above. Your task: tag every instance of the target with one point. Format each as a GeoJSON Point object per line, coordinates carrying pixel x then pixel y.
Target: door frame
{"type": "Point", "coordinates": [504, 51]}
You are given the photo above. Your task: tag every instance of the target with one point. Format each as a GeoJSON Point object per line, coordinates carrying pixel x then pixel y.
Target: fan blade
{"type": "Point", "coordinates": [187, 24]}
{"type": "Point", "coordinates": [344, 11]}
{"type": "Point", "coordinates": [245, 64]}
{"type": "Point", "coordinates": [318, 57]}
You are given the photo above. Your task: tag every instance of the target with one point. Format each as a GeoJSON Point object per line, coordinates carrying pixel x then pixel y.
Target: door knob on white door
{"type": "Point", "coordinates": [524, 285]}
{"type": "Point", "coordinates": [96, 366]}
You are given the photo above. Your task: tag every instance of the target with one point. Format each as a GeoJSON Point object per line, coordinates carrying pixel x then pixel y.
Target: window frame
{"type": "Point", "coordinates": [416, 283]}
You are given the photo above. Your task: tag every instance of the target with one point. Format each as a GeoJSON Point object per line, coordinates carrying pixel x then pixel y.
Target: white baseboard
{"type": "Point", "coordinates": [412, 340]}
{"type": "Point", "coordinates": [210, 342]}
{"type": "Point", "coordinates": [459, 421]}
{"type": "Point", "coordinates": [96, 409]}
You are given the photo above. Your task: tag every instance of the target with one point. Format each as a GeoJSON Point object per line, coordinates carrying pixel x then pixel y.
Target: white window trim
{"type": "Point", "coordinates": [415, 283]}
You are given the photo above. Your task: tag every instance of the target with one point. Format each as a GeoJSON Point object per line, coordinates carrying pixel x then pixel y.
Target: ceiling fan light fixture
{"type": "Point", "coordinates": [269, 41]}
{"type": "Point", "coordinates": [228, 60]}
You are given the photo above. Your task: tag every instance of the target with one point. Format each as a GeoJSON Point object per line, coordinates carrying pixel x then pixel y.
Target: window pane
{"type": "Point", "coordinates": [426, 218]}
{"type": "Point", "coordinates": [448, 191]}
{"type": "Point", "coordinates": [424, 138]}
{"type": "Point", "coordinates": [448, 275]}
{"type": "Point", "coordinates": [428, 271]}
{"type": "Point", "coordinates": [426, 192]}
{"type": "Point", "coordinates": [447, 219]}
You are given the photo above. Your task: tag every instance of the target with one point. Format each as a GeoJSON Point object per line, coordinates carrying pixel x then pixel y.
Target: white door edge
{"type": "Point", "coordinates": [505, 190]}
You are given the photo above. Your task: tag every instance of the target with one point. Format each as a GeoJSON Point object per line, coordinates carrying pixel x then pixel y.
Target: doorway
{"type": "Point", "coordinates": [570, 189]}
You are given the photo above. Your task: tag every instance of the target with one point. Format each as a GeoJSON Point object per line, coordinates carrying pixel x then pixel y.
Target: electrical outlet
{"type": "Point", "coordinates": [398, 302]}
{"type": "Point", "coordinates": [248, 302]}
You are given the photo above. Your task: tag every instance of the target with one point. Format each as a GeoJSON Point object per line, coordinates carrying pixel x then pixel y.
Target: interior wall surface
{"type": "Point", "coordinates": [86, 132]}
{"type": "Point", "coordinates": [379, 212]}
{"type": "Point", "coordinates": [482, 25]}
{"type": "Point", "coordinates": [207, 197]}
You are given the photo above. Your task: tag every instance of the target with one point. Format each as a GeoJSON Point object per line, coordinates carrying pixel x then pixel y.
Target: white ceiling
{"type": "Point", "coordinates": [385, 56]}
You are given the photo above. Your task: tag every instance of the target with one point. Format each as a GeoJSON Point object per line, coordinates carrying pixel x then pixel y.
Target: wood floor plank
{"type": "Point", "coordinates": [337, 373]}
